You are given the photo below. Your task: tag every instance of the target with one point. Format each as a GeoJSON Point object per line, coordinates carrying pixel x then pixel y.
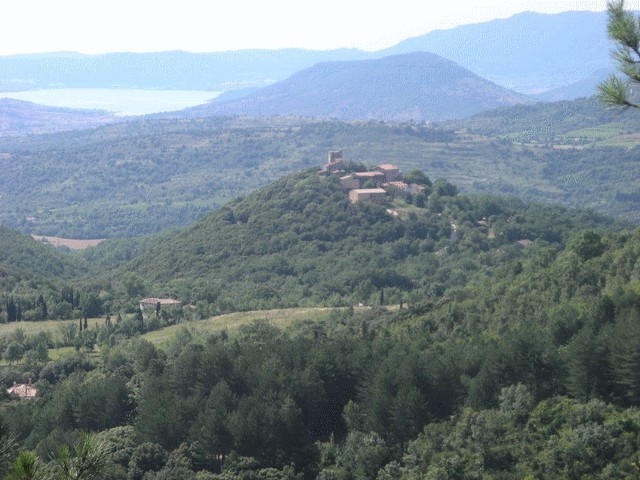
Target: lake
{"type": "Point", "coordinates": [122, 102]}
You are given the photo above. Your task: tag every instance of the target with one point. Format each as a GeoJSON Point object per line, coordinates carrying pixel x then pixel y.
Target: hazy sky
{"type": "Point", "coordinates": [99, 26]}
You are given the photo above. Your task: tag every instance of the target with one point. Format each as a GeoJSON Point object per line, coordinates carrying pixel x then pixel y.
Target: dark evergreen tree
{"type": "Point", "coordinates": [623, 28]}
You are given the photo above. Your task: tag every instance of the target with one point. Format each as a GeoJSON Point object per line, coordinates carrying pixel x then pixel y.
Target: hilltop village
{"type": "Point", "coordinates": [372, 185]}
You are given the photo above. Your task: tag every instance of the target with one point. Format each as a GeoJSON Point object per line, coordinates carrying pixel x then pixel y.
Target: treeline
{"type": "Point", "coordinates": [62, 305]}
{"type": "Point", "coordinates": [82, 335]}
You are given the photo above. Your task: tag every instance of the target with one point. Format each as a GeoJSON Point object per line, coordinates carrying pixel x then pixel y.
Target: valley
{"type": "Point", "coordinates": [348, 266]}
{"type": "Point", "coordinates": [318, 315]}
{"type": "Point", "coordinates": [140, 177]}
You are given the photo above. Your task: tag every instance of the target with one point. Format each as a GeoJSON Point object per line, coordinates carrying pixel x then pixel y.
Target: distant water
{"type": "Point", "coordinates": [122, 102]}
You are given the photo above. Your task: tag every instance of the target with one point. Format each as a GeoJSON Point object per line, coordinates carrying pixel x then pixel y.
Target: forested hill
{"type": "Point", "coordinates": [301, 242]}
{"type": "Point", "coordinates": [144, 176]}
{"type": "Point", "coordinates": [558, 123]}
{"type": "Point", "coordinates": [21, 253]}
{"type": "Point", "coordinates": [416, 86]}
{"type": "Point", "coordinates": [34, 278]}
{"type": "Point", "coordinates": [296, 242]}
{"type": "Point", "coordinates": [498, 339]}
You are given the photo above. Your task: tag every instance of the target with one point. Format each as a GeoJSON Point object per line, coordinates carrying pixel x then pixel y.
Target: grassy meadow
{"type": "Point", "coordinates": [280, 318]}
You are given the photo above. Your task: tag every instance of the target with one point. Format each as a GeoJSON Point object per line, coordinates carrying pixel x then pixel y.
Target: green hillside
{"type": "Point", "coordinates": [500, 339]}
{"type": "Point", "coordinates": [561, 123]}
{"type": "Point", "coordinates": [35, 279]}
{"type": "Point", "coordinates": [300, 242]}
{"type": "Point", "coordinates": [24, 253]}
{"type": "Point", "coordinates": [143, 176]}
{"type": "Point", "coordinates": [461, 317]}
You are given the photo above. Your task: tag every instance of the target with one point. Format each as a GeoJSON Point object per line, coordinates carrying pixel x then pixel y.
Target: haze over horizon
{"type": "Point", "coordinates": [193, 26]}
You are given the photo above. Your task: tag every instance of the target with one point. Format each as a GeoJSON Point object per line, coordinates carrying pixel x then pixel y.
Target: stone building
{"type": "Point", "coordinates": [376, 195]}
{"type": "Point", "coordinates": [391, 172]}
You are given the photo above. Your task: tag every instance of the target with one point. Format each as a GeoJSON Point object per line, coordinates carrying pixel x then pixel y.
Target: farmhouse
{"type": "Point", "coordinates": [152, 303]}
{"type": "Point", "coordinates": [375, 176]}
{"type": "Point", "coordinates": [22, 390]}
{"type": "Point", "coordinates": [349, 182]}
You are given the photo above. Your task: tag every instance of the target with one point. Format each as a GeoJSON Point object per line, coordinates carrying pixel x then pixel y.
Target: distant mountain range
{"type": "Point", "coordinates": [417, 86]}
{"type": "Point", "coordinates": [529, 53]}
{"type": "Point", "coordinates": [582, 88]}
{"type": "Point", "coordinates": [218, 71]}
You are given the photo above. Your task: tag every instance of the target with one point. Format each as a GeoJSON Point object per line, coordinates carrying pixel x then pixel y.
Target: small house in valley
{"type": "Point", "coordinates": [152, 303]}
{"type": "Point", "coordinates": [22, 390]}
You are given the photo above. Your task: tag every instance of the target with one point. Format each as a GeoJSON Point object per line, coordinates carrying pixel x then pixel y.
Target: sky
{"type": "Point", "coordinates": [102, 26]}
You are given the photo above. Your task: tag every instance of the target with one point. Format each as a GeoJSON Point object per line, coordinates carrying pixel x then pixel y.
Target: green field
{"type": "Point", "coordinates": [33, 328]}
{"type": "Point", "coordinates": [281, 318]}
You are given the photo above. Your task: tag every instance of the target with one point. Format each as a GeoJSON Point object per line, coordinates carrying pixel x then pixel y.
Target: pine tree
{"type": "Point", "coordinates": [25, 467]}
{"type": "Point", "coordinates": [86, 461]}
{"type": "Point", "coordinates": [623, 28]}
{"type": "Point", "coordinates": [11, 311]}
